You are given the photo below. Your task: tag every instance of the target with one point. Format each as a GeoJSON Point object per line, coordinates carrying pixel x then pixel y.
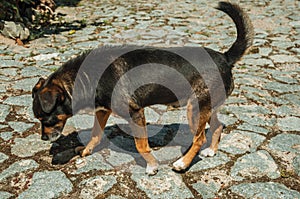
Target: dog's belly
{"type": "Point", "coordinates": [152, 94]}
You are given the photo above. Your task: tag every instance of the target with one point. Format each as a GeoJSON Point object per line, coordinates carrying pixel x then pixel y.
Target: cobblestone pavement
{"type": "Point", "coordinates": [259, 155]}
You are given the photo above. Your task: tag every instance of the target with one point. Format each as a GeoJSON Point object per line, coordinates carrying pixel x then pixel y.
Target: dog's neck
{"type": "Point", "coordinates": [75, 83]}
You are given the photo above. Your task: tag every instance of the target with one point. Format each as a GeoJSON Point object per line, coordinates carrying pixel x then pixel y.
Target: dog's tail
{"type": "Point", "coordinates": [245, 32]}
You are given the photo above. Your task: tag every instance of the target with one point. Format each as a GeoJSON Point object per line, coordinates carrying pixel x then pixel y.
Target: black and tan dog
{"type": "Point", "coordinates": [53, 98]}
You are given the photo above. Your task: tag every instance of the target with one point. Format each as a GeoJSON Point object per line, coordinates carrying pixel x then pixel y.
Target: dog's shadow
{"type": "Point", "coordinates": [118, 139]}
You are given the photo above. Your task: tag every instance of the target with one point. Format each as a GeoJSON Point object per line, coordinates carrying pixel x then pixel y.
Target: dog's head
{"type": "Point", "coordinates": [49, 106]}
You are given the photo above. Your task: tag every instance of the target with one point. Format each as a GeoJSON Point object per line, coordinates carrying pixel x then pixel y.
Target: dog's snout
{"type": "Point", "coordinates": [45, 137]}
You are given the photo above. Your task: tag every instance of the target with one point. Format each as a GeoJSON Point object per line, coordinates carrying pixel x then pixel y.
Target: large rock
{"type": "Point", "coordinates": [48, 184]}
{"type": "Point", "coordinates": [264, 190]}
{"type": "Point", "coordinates": [15, 30]}
{"type": "Point", "coordinates": [18, 167]}
{"type": "Point", "coordinates": [165, 184]}
{"type": "Point", "coordinates": [254, 165]}
{"type": "Point", "coordinates": [94, 186]}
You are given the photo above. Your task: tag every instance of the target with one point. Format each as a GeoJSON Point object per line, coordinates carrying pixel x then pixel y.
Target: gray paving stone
{"type": "Point", "coordinates": [41, 65]}
{"type": "Point", "coordinates": [5, 79]}
{"type": "Point", "coordinates": [260, 62]}
{"type": "Point", "coordinates": [255, 164]}
{"type": "Point", "coordinates": [265, 51]}
{"type": "Point", "coordinates": [282, 44]}
{"type": "Point", "coordinates": [5, 195]}
{"type": "Point", "coordinates": [117, 159]}
{"type": "Point", "coordinates": [82, 121]}
{"type": "Point", "coordinates": [239, 142]}
{"type": "Point", "coordinates": [249, 127]}
{"type": "Point", "coordinates": [115, 120]}
{"type": "Point", "coordinates": [281, 88]}
{"type": "Point", "coordinates": [289, 123]}
{"type": "Point", "coordinates": [210, 162]}
{"type": "Point", "coordinates": [3, 157]}
{"type": "Point", "coordinates": [227, 119]}
{"type": "Point", "coordinates": [20, 127]}
{"type": "Point", "coordinates": [286, 111]}
{"type": "Point", "coordinates": [286, 79]}
{"type": "Point", "coordinates": [48, 184]}
{"type": "Point", "coordinates": [296, 164]}
{"type": "Point", "coordinates": [27, 113]}
{"type": "Point", "coordinates": [278, 100]}
{"type": "Point", "coordinates": [151, 115]}
{"type": "Point", "coordinates": [92, 162]}
{"type": "Point", "coordinates": [174, 116]}
{"type": "Point", "coordinates": [11, 72]}
{"type": "Point", "coordinates": [3, 86]}
{"type": "Point", "coordinates": [3, 126]}
{"type": "Point", "coordinates": [22, 100]}
{"type": "Point", "coordinates": [6, 135]}
{"type": "Point", "coordinates": [25, 84]}
{"type": "Point", "coordinates": [4, 111]}
{"type": "Point", "coordinates": [115, 197]}
{"type": "Point", "coordinates": [10, 63]}
{"type": "Point", "coordinates": [87, 45]}
{"type": "Point", "coordinates": [285, 142]}
{"type": "Point", "coordinates": [18, 167]}
{"type": "Point", "coordinates": [97, 185]}
{"type": "Point", "coordinates": [284, 58]}
{"type": "Point", "coordinates": [124, 144]}
{"type": "Point", "coordinates": [292, 98]}
{"type": "Point", "coordinates": [165, 184]}
{"type": "Point", "coordinates": [168, 153]}
{"type": "Point", "coordinates": [206, 190]}
{"type": "Point", "coordinates": [255, 97]}
{"type": "Point", "coordinates": [264, 190]}
{"type": "Point", "coordinates": [26, 147]}
{"type": "Point", "coordinates": [246, 109]}
{"type": "Point", "coordinates": [155, 132]}
{"type": "Point", "coordinates": [257, 121]}
{"type": "Point", "coordinates": [42, 57]}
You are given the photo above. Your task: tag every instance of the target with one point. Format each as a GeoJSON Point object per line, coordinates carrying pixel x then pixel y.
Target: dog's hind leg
{"type": "Point", "coordinates": [216, 127]}
{"type": "Point", "coordinates": [138, 127]}
{"type": "Point", "coordinates": [100, 120]}
{"type": "Point", "coordinates": [197, 120]}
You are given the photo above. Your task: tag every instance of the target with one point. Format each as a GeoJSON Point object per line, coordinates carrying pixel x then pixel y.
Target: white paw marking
{"type": "Point", "coordinates": [151, 170]}
{"type": "Point", "coordinates": [179, 165]}
{"type": "Point", "coordinates": [208, 152]}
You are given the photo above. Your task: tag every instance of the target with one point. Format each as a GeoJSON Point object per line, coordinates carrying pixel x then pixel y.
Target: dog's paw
{"type": "Point", "coordinates": [179, 165]}
{"type": "Point", "coordinates": [82, 151]}
{"type": "Point", "coordinates": [208, 152]}
{"type": "Point", "coordinates": [151, 170]}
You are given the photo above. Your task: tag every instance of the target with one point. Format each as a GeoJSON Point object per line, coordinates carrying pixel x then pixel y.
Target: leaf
{"type": "Point", "coordinates": [71, 32]}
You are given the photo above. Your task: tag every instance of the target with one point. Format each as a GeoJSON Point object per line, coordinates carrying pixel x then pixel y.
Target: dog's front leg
{"type": "Point", "coordinates": [100, 120]}
{"type": "Point", "coordinates": [138, 126]}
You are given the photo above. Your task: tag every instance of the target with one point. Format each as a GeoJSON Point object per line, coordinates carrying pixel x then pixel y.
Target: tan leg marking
{"type": "Point", "coordinates": [216, 127]}
{"type": "Point", "coordinates": [197, 123]}
{"type": "Point", "coordinates": [101, 118]}
{"type": "Point", "coordinates": [138, 126]}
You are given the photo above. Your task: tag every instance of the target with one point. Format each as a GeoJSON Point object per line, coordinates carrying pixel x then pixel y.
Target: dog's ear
{"type": "Point", "coordinates": [50, 97]}
{"type": "Point", "coordinates": [37, 86]}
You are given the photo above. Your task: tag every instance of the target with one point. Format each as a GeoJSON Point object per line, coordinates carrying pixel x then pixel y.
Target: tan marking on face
{"type": "Point", "coordinates": [60, 124]}
{"type": "Point", "coordinates": [48, 130]}
{"type": "Point", "coordinates": [63, 117]}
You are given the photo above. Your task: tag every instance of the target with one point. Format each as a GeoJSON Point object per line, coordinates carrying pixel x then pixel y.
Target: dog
{"type": "Point", "coordinates": [54, 97]}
